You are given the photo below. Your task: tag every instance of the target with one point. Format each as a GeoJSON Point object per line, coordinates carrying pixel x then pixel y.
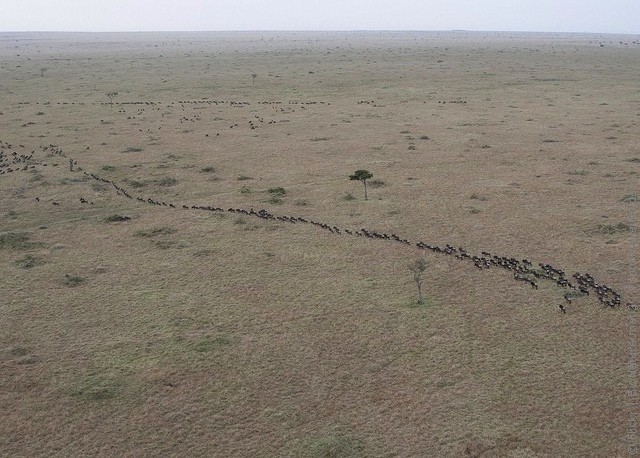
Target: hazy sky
{"type": "Point", "coordinates": [614, 16]}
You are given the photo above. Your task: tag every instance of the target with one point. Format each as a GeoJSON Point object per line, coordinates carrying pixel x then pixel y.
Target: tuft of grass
{"type": "Point", "coordinates": [208, 169]}
{"type": "Point", "coordinates": [19, 351]}
{"type": "Point", "coordinates": [348, 197]}
{"type": "Point", "coordinates": [377, 183]}
{"type": "Point", "coordinates": [630, 198]}
{"type": "Point", "coordinates": [610, 229]}
{"type": "Point", "coordinates": [476, 196]}
{"type": "Point", "coordinates": [136, 184]}
{"type": "Point", "coordinates": [167, 181]}
{"type": "Point", "coordinates": [244, 178]}
{"type": "Point", "coordinates": [278, 192]}
{"type": "Point", "coordinates": [301, 203]}
{"type": "Point", "coordinates": [108, 168]}
{"type": "Point", "coordinates": [98, 387]}
{"type": "Point", "coordinates": [133, 149]}
{"type": "Point", "coordinates": [633, 159]}
{"type": "Point", "coordinates": [17, 241]}
{"type": "Point", "coordinates": [319, 139]}
{"type": "Point", "coordinates": [474, 210]}
{"type": "Point", "coordinates": [29, 261]}
{"type": "Point", "coordinates": [333, 445]}
{"type": "Point", "coordinates": [275, 200]}
{"type": "Point", "coordinates": [245, 190]}
{"type": "Point", "coordinates": [208, 344]}
{"type": "Point", "coordinates": [165, 244]}
{"type": "Point", "coordinates": [116, 218]}
{"type": "Point", "coordinates": [73, 280]}
{"type": "Point", "coordinates": [578, 172]}
{"type": "Point", "coordinates": [37, 176]}
{"type": "Point", "coordinates": [165, 230]}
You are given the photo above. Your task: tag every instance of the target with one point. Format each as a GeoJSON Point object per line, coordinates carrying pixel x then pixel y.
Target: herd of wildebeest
{"type": "Point", "coordinates": [575, 286]}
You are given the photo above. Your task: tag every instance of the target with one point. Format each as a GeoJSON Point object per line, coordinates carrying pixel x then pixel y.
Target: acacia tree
{"type": "Point", "coordinates": [111, 96]}
{"type": "Point", "coordinates": [363, 176]}
{"type": "Point", "coordinates": [418, 267]}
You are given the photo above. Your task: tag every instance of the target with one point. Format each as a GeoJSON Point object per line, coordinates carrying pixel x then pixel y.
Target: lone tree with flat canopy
{"type": "Point", "coordinates": [363, 176]}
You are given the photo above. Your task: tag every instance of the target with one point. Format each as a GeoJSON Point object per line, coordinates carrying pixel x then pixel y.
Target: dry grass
{"type": "Point", "coordinates": [195, 333]}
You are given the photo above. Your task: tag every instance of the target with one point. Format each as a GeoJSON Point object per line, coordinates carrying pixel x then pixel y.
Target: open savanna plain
{"type": "Point", "coordinates": [136, 322]}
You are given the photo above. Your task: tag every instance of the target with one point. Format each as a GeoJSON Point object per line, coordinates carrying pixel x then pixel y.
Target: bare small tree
{"type": "Point", "coordinates": [418, 267]}
{"type": "Point", "coordinates": [111, 96]}
{"type": "Point", "coordinates": [253, 78]}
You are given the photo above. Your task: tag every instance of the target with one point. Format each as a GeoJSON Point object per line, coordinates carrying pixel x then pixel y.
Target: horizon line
{"type": "Point", "coordinates": [320, 31]}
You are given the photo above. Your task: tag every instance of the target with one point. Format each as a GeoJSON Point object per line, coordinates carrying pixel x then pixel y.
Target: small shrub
{"type": "Point", "coordinates": [167, 181]}
{"type": "Point", "coordinates": [108, 168]}
{"type": "Point", "coordinates": [578, 172]}
{"type": "Point", "coordinates": [98, 387]}
{"type": "Point", "coordinates": [633, 159]}
{"type": "Point", "coordinates": [277, 192]}
{"type": "Point", "coordinates": [348, 196]}
{"type": "Point", "coordinates": [245, 190]}
{"type": "Point", "coordinates": [334, 446]}
{"type": "Point", "coordinates": [476, 196]}
{"type": "Point", "coordinates": [610, 229]}
{"type": "Point", "coordinates": [133, 149]}
{"type": "Point", "coordinates": [17, 241]}
{"type": "Point", "coordinates": [301, 203]}
{"type": "Point", "coordinates": [208, 169]}
{"type": "Point", "coordinates": [244, 178]}
{"type": "Point", "coordinates": [19, 351]}
{"type": "Point", "coordinates": [28, 262]}
{"type": "Point", "coordinates": [377, 183]}
{"type": "Point", "coordinates": [424, 137]}
{"type": "Point", "coordinates": [116, 218]}
{"type": "Point", "coordinates": [474, 210]}
{"type": "Point", "coordinates": [275, 200]}
{"type": "Point", "coordinates": [630, 198]}
{"type": "Point", "coordinates": [165, 244]}
{"type": "Point", "coordinates": [136, 184]}
{"type": "Point", "coordinates": [155, 231]}
{"type": "Point", "coordinates": [99, 187]}
{"type": "Point", "coordinates": [73, 280]}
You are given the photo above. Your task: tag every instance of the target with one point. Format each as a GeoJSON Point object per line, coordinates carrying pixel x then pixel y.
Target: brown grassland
{"type": "Point", "coordinates": [181, 332]}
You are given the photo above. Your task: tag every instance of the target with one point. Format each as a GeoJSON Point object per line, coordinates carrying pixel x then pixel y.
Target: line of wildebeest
{"type": "Point", "coordinates": [577, 285]}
